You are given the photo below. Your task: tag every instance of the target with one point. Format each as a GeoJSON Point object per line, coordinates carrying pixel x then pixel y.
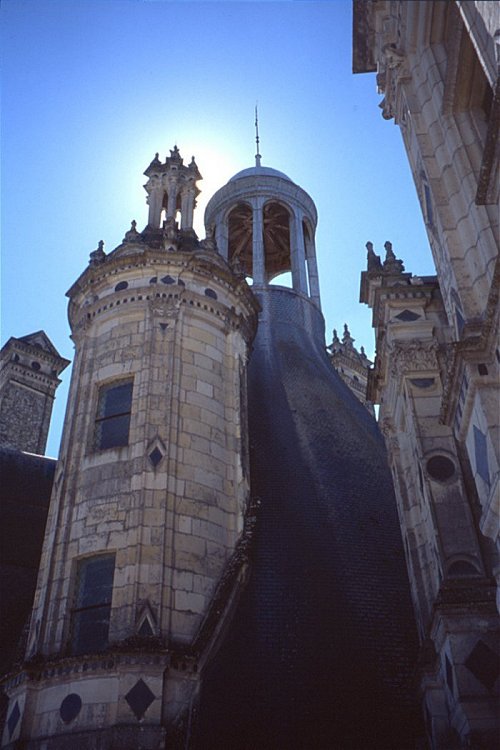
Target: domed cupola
{"type": "Point", "coordinates": [266, 223]}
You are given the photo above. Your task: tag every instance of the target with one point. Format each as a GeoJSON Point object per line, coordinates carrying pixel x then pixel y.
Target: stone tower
{"type": "Point", "coordinates": [143, 553]}
{"type": "Point", "coordinates": [29, 375]}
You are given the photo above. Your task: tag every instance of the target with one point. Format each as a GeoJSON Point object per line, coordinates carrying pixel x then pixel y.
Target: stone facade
{"type": "Point", "coordinates": [436, 372]}
{"type": "Point", "coordinates": [29, 375]}
{"type": "Point", "coordinates": [449, 561]}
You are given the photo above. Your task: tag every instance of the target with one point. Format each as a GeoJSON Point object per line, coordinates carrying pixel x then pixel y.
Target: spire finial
{"type": "Point", "coordinates": [257, 140]}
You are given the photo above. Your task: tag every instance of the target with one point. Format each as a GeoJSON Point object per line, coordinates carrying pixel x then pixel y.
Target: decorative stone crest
{"type": "Point", "coordinates": [98, 256]}
{"type": "Point", "coordinates": [132, 235]}
{"type": "Point", "coordinates": [373, 261]}
{"type": "Point", "coordinates": [392, 265]}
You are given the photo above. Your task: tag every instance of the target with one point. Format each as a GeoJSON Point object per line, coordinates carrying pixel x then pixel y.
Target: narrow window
{"type": "Point", "coordinates": [90, 616]}
{"type": "Point", "coordinates": [113, 415]}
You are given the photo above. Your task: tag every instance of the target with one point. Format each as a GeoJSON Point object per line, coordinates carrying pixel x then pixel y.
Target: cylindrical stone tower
{"type": "Point", "coordinates": [143, 553]}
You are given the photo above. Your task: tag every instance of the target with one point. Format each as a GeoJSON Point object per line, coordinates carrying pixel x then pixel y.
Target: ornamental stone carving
{"type": "Point", "coordinates": [165, 308]}
{"type": "Point", "coordinates": [411, 356]}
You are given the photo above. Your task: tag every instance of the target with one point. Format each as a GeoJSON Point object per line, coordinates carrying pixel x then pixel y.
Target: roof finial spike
{"type": "Point", "coordinates": [257, 140]}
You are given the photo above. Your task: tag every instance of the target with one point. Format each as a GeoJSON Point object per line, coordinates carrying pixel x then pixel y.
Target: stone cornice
{"type": "Point", "coordinates": [212, 264]}
{"type": "Point", "coordinates": [22, 375]}
{"type": "Point", "coordinates": [56, 361]}
{"type": "Point", "coordinates": [39, 667]}
{"type": "Point", "coordinates": [200, 263]}
{"type": "Point", "coordinates": [466, 596]}
{"type": "Point", "coordinates": [266, 187]}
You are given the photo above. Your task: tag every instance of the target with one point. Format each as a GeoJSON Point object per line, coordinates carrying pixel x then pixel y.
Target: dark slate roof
{"type": "Point", "coordinates": [321, 649]}
{"type": "Point", "coordinates": [26, 481]}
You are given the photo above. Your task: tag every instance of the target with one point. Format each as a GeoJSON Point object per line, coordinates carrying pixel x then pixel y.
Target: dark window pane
{"type": "Point", "coordinates": [113, 415]}
{"type": "Point", "coordinates": [112, 432]}
{"type": "Point", "coordinates": [90, 630]}
{"type": "Point", "coordinates": [95, 581]}
{"type": "Point", "coordinates": [115, 399]}
{"type": "Point", "coordinates": [90, 619]}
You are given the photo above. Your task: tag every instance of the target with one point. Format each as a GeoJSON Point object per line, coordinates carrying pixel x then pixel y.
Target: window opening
{"type": "Point", "coordinates": [113, 415]}
{"type": "Point", "coordinates": [91, 614]}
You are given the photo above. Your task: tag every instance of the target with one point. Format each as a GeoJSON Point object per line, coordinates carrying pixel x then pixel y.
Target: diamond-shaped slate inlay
{"type": "Point", "coordinates": [408, 315]}
{"type": "Point", "coordinates": [155, 456]}
{"type": "Point", "coordinates": [14, 717]}
{"type": "Point", "coordinates": [484, 664]}
{"type": "Point", "coordinates": [139, 698]}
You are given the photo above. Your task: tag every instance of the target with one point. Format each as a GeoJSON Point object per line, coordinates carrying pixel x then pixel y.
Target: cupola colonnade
{"type": "Point", "coordinates": [265, 223]}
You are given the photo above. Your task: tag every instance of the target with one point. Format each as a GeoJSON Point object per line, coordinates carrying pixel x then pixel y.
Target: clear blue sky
{"type": "Point", "coordinates": [93, 88]}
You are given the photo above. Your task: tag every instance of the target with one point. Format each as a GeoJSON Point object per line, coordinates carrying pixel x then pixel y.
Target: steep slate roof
{"type": "Point", "coordinates": [320, 651]}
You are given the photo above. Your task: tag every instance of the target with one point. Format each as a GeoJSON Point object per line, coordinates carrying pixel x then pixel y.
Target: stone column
{"type": "Point", "coordinates": [222, 238]}
{"type": "Point", "coordinates": [154, 202]}
{"type": "Point", "coordinates": [298, 254]}
{"type": "Point", "coordinates": [312, 269]}
{"type": "Point", "coordinates": [258, 258]}
{"type": "Point", "coordinates": [187, 208]}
